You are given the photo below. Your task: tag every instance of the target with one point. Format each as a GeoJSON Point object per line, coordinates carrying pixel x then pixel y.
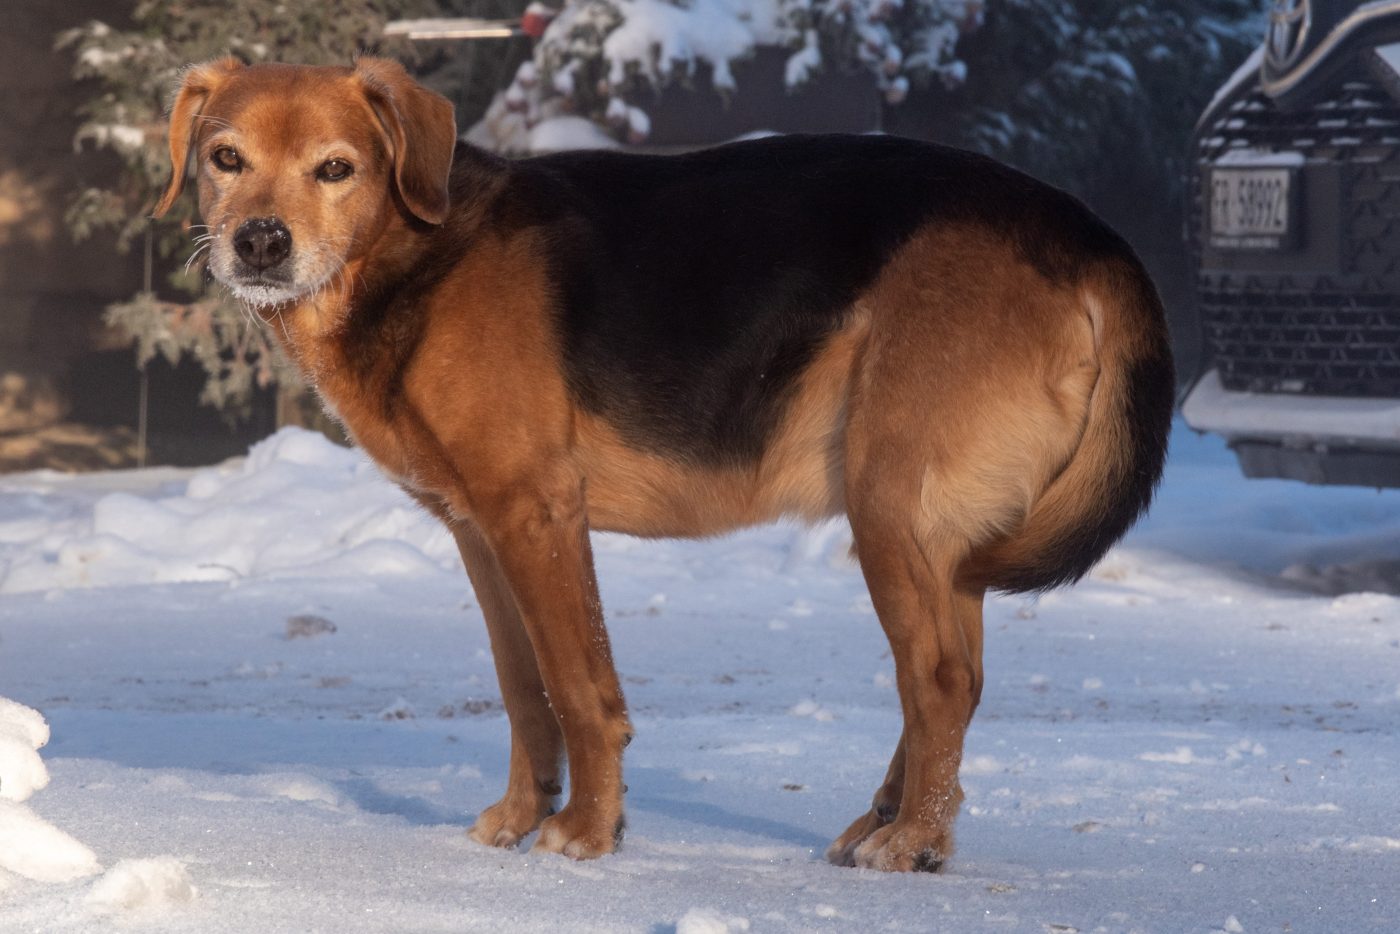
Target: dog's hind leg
{"type": "Point", "coordinates": [536, 744]}
{"type": "Point", "coordinates": [888, 797]}
{"type": "Point", "coordinates": [934, 628]}
{"type": "Point", "coordinates": [961, 413]}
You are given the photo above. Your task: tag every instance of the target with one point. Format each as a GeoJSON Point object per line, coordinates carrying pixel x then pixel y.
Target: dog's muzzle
{"type": "Point", "coordinates": [262, 243]}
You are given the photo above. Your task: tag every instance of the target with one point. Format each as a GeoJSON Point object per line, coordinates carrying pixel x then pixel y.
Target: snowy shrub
{"type": "Point", "coordinates": [29, 845]}
{"type": "Point", "coordinates": [1080, 91]}
{"type": "Point", "coordinates": [597, 56]}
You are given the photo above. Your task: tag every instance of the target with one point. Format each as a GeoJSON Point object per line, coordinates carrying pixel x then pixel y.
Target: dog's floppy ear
{"type": "Point", "coordinates": [422, 131]}
{"type": "Point", "coordinates": [199, 82]}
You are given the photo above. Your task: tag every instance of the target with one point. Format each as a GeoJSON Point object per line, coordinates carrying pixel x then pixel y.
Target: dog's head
{"type": "Point", "coordinates": [302, 169]}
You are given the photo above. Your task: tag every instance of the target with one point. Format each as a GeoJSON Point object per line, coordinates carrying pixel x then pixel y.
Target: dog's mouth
{"type": "Point", "coordinates": [291, 280]}
{"type": "Point", "coordinates": [243, 274]}
{"type": "Point", "coordinates": [269, 288]}
{"type": "Point", "coordinates": [258, 287]}
{"type": "Point", "coordinates": [260, 265]}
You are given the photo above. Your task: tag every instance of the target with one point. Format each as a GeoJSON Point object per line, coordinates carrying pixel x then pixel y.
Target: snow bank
{"type": "Point", "coordinates": [32, 847]}
{"type": "Point", "coordinates": [29, 845]}
{"type": "Point", "coordinates": [296, 505]}
{"type": "Point", "coordinates": [299, 506]}
{"type": "Point", "coordinates": [22, 733]}
{"type": "Point", "coordinates": [142, 885]}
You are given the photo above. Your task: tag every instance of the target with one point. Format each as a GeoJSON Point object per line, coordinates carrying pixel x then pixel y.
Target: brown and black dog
{"type": "Point", "coordinates": [965, 362]}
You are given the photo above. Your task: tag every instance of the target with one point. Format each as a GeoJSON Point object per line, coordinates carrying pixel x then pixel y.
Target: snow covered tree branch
{"type": "Point", "coordinates": [597, 56]}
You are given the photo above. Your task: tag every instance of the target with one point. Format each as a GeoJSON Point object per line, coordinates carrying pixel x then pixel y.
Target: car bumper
{"type": "Point", "coordinates": [1315, 439]}
{"type": "Point", "coordinates": [1328, 420]}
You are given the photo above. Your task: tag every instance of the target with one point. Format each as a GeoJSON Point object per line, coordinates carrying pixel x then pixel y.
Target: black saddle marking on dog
{"type": "Point", "coordinates": [693, 290]}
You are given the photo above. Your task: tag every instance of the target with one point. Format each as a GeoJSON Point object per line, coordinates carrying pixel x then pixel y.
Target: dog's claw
{"type": "Point", "coordinates": [506, 840]}
{"type": "Point", "coordinates": [570, 835]}
{"type": "Point", "coordinates": [842, 850]}
{"type": "Point", "coordinates": [508, 821]}
{"type": "Point", "coordinates": [928, 861]}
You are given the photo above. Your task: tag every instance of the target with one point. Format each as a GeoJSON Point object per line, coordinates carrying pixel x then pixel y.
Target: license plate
{"type": "Point", "coordinates": [1251, 208]}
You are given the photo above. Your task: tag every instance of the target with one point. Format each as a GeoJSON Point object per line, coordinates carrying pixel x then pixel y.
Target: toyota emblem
{"type": "Point", "coordinates": [1288, 30]}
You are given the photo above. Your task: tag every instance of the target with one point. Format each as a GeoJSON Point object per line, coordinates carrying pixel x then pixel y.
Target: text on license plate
{"type": "Point", "coordinates": [1250, 203]}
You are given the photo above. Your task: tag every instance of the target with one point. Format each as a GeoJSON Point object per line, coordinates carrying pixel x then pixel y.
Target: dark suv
{"type": "Point", "coordinates": [1295, 222]}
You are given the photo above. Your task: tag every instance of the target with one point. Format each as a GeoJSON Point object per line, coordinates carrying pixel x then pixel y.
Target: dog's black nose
{"type": "Point", "coordinates": [262, 242]}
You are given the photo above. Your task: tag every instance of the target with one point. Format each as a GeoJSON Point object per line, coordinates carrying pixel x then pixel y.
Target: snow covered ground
{"type": "Point", "coordinates": [272, 708]}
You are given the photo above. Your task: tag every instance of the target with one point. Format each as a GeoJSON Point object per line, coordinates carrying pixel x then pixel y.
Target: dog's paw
{"type": "Point", "coordinates": [905, 847]}
{"type": "Point", "coordinates": [579, 835]}
{"type": "Point", "coordinates": [508, 821]}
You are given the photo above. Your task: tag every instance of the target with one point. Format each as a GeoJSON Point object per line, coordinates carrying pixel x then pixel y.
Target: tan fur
{"type": "Point", "coordinates": [799, 475]}
{"type": "Point", "coordinates": [1101, 452]}
{"type": "Point", "coordinates": [960, 417]}
{"type": "Point", "coordinates": [963, 293]}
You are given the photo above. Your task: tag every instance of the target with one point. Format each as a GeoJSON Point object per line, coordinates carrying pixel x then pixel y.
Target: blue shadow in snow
{"type": "Point", "coordinates": [369, 797]}
{"type": "Point", "coordinates": [710, 815]}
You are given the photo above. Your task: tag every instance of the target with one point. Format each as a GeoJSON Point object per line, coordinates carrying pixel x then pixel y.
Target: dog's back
{"type": "Point", "coordinates": [692, 293]}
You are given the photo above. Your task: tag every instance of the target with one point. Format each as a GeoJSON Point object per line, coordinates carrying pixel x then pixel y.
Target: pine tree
{"type": "Point", "coordinates": [1094, 95]}
{"type": "Point", "coordinates": [1098, 97]}
{"type": "Point", "coordinates": [597, 56]}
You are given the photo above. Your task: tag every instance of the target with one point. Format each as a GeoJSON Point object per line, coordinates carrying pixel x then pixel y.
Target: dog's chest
{"type": "Point", "coordinates": [353, 404]}
{"type": "Point", "coordinates": [370, 432]}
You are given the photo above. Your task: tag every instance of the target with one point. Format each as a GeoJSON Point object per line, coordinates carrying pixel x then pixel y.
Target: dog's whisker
{"type": "Point", "coordinates": [214, 121]}
{"type": "Point", "coordinates": [247, 312]}
{"type": "Point", "coordinates": [203, 248]}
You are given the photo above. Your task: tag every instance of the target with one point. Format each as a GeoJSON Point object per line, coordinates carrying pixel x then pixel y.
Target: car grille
{"type": "Point", "coordinates": [1315, 335]}
{"type": "Point", "coordinates": [1302, 337]}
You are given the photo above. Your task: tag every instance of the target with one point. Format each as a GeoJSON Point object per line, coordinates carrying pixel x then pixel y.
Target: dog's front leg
{"type": "Point", "coordinates": [536, 745]}
{"type": "Point", "coordinates": [539, 533]}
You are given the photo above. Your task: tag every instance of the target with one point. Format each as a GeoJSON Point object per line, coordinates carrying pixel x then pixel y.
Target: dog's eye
{"type": "Point", "coordinates": [226, 159]}
{"type": "Point", "coordinates": [335, 170]}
